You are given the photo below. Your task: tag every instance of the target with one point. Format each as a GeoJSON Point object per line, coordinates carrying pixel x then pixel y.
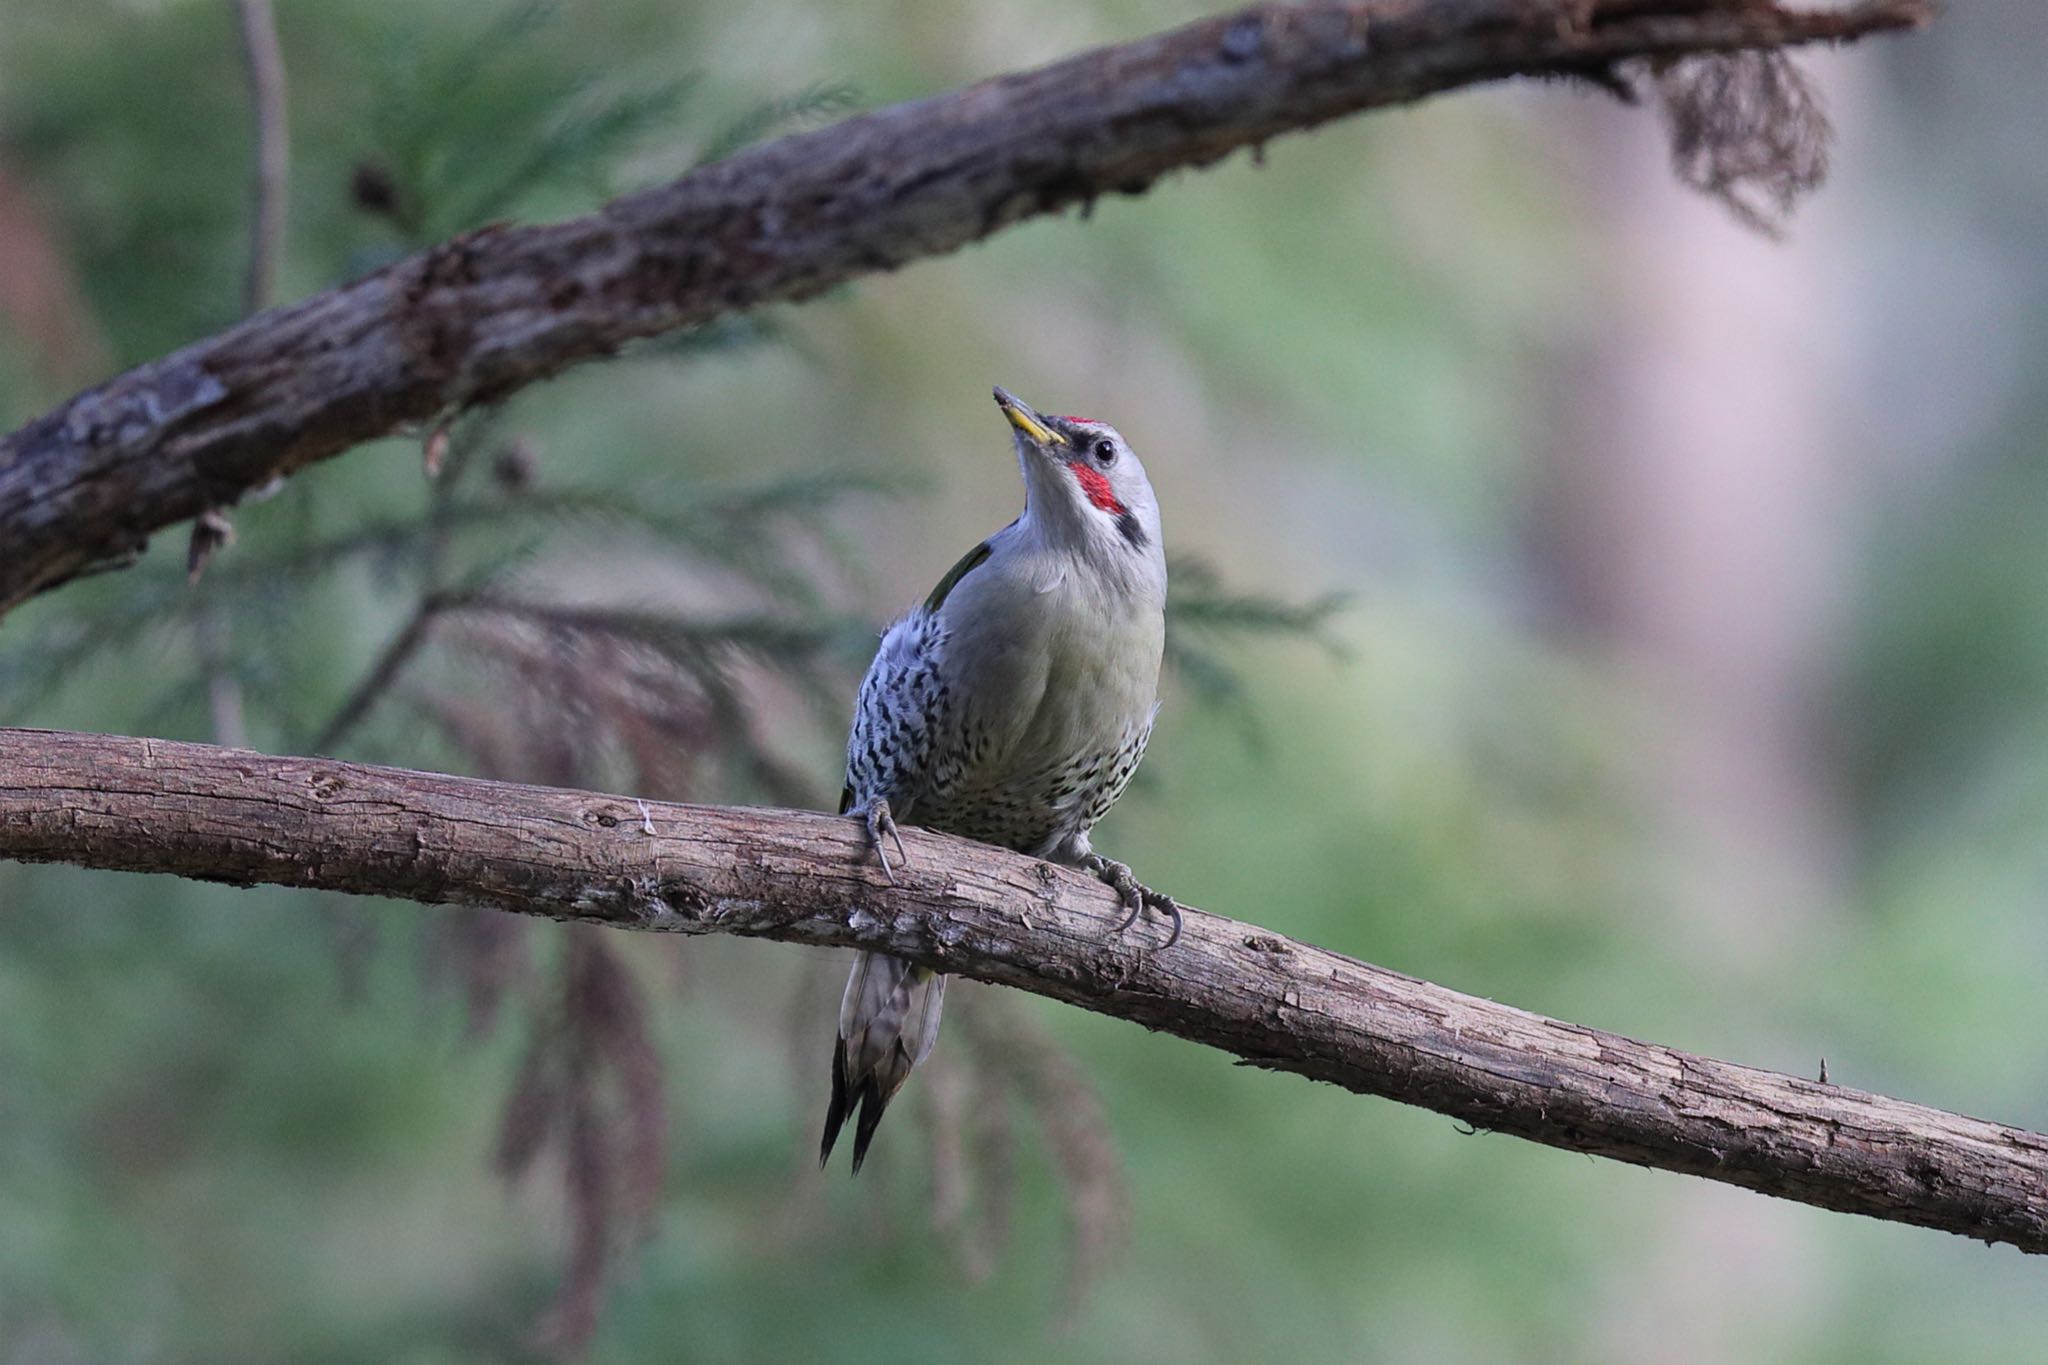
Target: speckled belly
{"type": "Point", "coordinates": [1034, 810]}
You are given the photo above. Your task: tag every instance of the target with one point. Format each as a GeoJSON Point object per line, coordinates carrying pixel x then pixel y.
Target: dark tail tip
{"type": "Point", "coordinates": [836, 1114]}
{"type": "Point", "coordinates": [872, 1103]}
{"type": "Point", "coordinates": [867, 1097]}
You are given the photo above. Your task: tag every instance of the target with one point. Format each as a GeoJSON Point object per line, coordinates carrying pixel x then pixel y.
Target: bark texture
{"type": "Point", "coordinates": [230, 815]}
{"type": "Point", "coordinates": [501, 307]}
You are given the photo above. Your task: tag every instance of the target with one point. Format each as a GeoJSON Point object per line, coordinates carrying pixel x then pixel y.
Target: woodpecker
{"type": "Point", "coordinates": [1012, 707]}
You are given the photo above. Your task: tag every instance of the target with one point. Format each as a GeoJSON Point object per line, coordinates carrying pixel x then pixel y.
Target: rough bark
{"type": "Point", "coordinates": [230, 815]}
{"type": "Point", "coordinates": [490, 311]}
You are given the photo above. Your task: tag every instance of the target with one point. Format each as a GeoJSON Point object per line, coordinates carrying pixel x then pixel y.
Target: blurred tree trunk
{"type": "Point", "coordinates": [1691, 514]}
{"type": "Point", "coordinates": [1692, 506]}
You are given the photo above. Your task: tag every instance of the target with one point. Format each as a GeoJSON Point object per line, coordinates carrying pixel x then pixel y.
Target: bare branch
{"type": "Point", "coordinates": [232, 816]}
{"type": "Point", "coordinates": [488, 312]}
{"type": "Point", "coordinates": [264, 60]}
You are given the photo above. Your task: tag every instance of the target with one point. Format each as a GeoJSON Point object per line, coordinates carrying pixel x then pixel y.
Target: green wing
{"type": "Point", "coordinates": [969, 562]}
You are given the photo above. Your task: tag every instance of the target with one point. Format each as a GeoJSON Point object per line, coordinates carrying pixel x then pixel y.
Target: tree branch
{"type": "Point", "coordinates": [233, 816]}
{"type": "Point", "coordinates": [263, 60]}
{"type": "Point", "coordinates": [490, 311]}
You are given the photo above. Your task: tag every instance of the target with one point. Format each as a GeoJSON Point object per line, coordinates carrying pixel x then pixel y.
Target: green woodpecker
{"type": "Point", "coordinates": [1011, 707]}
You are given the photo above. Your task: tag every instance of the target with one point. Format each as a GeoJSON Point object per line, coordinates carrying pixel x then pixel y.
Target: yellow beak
{"type": "Point", "coordinates": [1025, 420]}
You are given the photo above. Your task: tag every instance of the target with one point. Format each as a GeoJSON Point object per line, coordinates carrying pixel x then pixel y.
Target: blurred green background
{"type": "Point", "coordinates": [1689, 684]}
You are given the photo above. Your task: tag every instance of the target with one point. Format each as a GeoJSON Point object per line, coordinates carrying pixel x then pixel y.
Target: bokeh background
{"type": "Point", "coordinates": [1688, 682]}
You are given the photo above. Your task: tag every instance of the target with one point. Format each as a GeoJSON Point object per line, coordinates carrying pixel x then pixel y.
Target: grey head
{"type": "Point", "coordinates": [1086, 493]}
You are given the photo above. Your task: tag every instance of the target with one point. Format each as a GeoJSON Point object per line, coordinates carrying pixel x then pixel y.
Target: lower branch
{"type": "Point", "coordinates": [229, 815]}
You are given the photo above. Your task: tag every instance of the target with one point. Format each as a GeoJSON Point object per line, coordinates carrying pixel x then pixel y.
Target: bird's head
{"type": "Point", "coordinates": [1083, 484]}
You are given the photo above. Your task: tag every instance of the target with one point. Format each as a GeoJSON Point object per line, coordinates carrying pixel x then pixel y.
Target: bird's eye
{"type": "Point", "coordinates": [1105, 451]}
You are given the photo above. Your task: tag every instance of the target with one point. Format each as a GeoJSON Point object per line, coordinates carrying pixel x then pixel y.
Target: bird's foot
{"type": "Point", "coordinates": [1137, 897]}
{"type": "Point", "coordinates": [881, 824]}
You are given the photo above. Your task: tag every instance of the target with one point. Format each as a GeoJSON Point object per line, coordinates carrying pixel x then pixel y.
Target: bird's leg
{"type": "Point", "coordinates": [875, 814]}
{"type": "Point", "coordinates": [1137, 897]}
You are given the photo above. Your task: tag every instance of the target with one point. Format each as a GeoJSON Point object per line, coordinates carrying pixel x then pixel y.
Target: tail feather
{"type": "Point", "coordinates": [872, 1103]}
{"type": "Point", "coordinates": [842, 1100]}
{"type": "Point", "coordinates": [888, 1022]}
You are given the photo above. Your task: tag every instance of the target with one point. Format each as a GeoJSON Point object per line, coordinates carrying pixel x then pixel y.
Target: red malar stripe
{"type": "Point", "coordinates": [1096, 485]}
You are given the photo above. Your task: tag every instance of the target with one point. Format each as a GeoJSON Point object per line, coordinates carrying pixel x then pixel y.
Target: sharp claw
{"type": "Point", "coordinates": [880, 822]}
{"type": "Point", "coordinates": [1172, 908]}
{"type": "Point", "coordinates": [1135, 895]}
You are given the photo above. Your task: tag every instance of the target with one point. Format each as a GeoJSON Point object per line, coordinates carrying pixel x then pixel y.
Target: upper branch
{"type": "Point", "coordinates": [492, 310]}
{"type": "Point", "coordinates": [233, 816]}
